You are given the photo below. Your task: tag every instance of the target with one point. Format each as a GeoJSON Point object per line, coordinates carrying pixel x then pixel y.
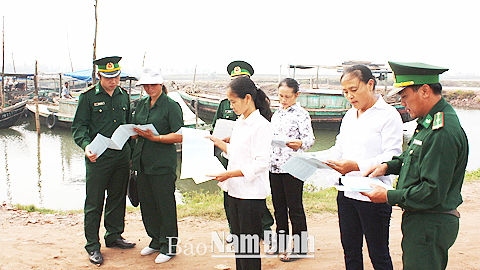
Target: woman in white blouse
{"type": "Point", "coordinates": [294, 122]}
{"type": "Point", "coordinates": [370, 133]}
{"type": "Point", "coordinates": [246, 178]}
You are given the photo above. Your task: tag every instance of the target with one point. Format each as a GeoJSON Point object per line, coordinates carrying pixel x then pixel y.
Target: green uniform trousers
{"type": "Point", "coordinates": [109, 173]}
{"type": "Point", "coordinates": [159, 210]}
{"type": "Point", "coordinates": [427, 238]}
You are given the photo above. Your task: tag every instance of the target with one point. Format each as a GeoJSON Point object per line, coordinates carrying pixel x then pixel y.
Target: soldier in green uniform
{"type": "Point", "coordinates": [224, 111]}
{"type": "Point", "coordinates": [155, 159]}
{"type": "Point", "coordinates": [101, 109]}
{"type": "Point", "coordinates": [431, 170]}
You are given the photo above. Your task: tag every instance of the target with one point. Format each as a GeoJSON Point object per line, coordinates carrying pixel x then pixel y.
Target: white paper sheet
{"type": "Point", "coordinates": [359, 184]}
{"type": "Point", "coordinates": [223, 128]}
{"type": "Point", "coordinates": [121, 135]}
{"type": "Point", "coordinates": [197, 156]}
{"type": "Point", "coordinates": [280, 140]}
{"type": "Point", "coordinates": [303, 165]}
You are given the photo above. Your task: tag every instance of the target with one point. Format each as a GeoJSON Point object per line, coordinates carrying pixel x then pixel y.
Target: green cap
{"type": "Point", "coordinates": [239, 68]}
{"type": "Point", "coordinates": [408, 74]}
{"type": "Point", "coordinates": [108, 66]}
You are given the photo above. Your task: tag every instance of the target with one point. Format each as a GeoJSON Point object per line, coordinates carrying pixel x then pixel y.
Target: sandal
{"type": "Point", "coordinates": [289, 257]}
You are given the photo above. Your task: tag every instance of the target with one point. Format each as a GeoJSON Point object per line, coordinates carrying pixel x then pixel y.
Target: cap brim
{"type": "Point", "coordinates": [149, 80]}
{"type": "Point", "coordinates": [111, 74]}
{"type": "Point", "coordinates": [395, 91]}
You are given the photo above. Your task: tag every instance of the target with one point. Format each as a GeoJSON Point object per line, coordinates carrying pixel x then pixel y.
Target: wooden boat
{"type": "Point", "coordinates": [325, 106]}
{"type": "Point", "coordinates": [61, 115]}
{"type": "Point", "coordinates": [10, 115]}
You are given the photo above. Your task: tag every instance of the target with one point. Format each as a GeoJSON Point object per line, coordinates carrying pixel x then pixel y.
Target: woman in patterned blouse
{"type": "Point", "coordinates": [294, 122]}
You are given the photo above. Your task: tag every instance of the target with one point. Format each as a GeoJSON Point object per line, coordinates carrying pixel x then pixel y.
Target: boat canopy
{"type": "Point", "coordinates": [86, 75]}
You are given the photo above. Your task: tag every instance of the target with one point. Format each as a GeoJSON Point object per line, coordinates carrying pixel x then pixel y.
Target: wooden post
{"type": "Point", "coordinates": [2, 93]}
{"type": "Point", "coordinates": [196, 100]}
{"type": "Point", "coordinates": [94, 79]}
{"type": "Point", "coordinates": [37, 117]}
{"type": "Point", "coordinates": [13, 61]}
{"type": "Point", "coordinates": [61, 83]}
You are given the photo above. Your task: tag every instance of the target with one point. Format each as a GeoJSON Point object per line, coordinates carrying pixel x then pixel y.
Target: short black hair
{"type": "Point", "coordinates": [363, 73]}
{"type": "Point", "coordinates": [436, 88]}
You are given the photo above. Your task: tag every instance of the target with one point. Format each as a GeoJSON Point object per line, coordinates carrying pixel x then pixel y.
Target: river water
{"type": "Point", "coordinates": [49, 171]}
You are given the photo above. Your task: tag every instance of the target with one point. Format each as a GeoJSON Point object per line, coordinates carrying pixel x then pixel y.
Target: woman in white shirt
{"type": "Point", "coordinates": [370, 133]}
{"type": "Point", "coordinates": [294, 122]}
{"type": "Point", "coordinates": [246, 178]}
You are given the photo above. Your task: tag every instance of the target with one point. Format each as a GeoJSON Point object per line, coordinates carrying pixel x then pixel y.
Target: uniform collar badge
{"type": "Point", "coordinates": [438, 121]}
{"type": "Point", "coordinates": [427, 121]}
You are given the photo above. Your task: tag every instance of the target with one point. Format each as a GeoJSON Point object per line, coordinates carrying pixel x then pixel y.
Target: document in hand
{"type": "Point", "coordinates": [119, 137]}
{"type": "Point", "coordinates": [359, 184]}
{"type": "Point", "coordinates": [223, 128]}
{"type": "Point", "coordinates": [197, 156]}
{"type": "Point", "coordinates": [303, 165]}
{"type": "Point", "coordinates": [280, 140]}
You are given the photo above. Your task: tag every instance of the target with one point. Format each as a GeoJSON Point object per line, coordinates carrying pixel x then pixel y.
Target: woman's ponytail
{"type": "Point", "coordinates": [262, 103]}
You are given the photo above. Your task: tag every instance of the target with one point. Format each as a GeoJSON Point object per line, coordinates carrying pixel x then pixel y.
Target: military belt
{"type": "Point", "coordinates": [451, 212]}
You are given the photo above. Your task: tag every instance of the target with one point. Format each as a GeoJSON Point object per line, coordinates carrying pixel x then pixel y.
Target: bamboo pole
{"type": "Point", "coordinates": [37, 117]}
{"type": "Point", "coordinates": [94, 78]}
{"type": "Point", "coordinates": [143, 65]}
{"type": "Point", "coordinates": [196, 100]}
{"type": "Point", "coordinates": [2, 93]}
{"type": "Point", "coordinates": [13, 61]}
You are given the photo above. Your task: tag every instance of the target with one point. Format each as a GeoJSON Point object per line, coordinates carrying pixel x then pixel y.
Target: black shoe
{"type": "Point", "coordinates": [96, 257]}
{"type": "Point", "coordinates": [121, 243]}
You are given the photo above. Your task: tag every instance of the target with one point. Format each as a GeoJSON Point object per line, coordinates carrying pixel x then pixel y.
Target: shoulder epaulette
{"type": "Point", "coordinates": [88, 89]}
{"type": "Point", "coordinates": [438, 121]}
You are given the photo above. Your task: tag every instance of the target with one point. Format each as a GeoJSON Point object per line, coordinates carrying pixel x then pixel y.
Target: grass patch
{"type": "Point", "coordinates": [459, 94]}
{"type": "Point", "coordinates": [200, 204]}
{"type": "Point", "coordinates": [210, 205]}
{"type": "Point", "coordinates": [32, 208]}
{"type": "Point", "coordinates": [472, 176]}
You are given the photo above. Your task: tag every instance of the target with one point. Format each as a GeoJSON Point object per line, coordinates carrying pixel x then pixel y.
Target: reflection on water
{"type": "Point", "coordinates": [49, 171]}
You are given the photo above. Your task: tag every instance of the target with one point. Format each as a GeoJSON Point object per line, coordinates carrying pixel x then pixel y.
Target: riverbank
{"type": "Point", "coordinates": [463, 94]}
{"type": "Point", "coordinates": [54, 241]}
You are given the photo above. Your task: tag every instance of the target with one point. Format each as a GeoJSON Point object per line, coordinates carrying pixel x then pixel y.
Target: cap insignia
{"type": "Point", "coordinates": [110, 65]}
{"type": "Point", "coordinates": [237, 69]}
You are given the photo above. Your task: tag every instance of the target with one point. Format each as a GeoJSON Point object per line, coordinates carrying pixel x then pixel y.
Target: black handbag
{"type": "Point", "coordinates": [132, 189]}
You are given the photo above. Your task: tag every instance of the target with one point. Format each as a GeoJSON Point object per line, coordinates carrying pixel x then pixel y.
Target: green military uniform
{"type": "Point", "coordinates": [224, 111]}
{"type": "Point", "coordinates": [98, 112]}
{"type": "Point", "coordinates": [431, 173]}
{"type": "Point", "coordinates": [156, 164]}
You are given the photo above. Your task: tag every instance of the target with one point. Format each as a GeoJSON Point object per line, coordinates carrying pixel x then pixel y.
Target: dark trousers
{"type": "Point", "coordinates": [427, 238]}
{"type": "Point", "coordinates": [359, 218]}
{"type": "Point", "coordinates": [245, 217]}
{"type": "Point", "coordinates": [109, 173]}
{"type": "Point", "coordinates": [159, 210]}
{"type": "Point", "coordinates": [287, 194]}
{"type": "Point", "coordinates": [267, 219]}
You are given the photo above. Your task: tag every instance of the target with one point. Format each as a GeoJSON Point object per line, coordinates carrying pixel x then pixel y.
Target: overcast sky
{"type": "Point", "coordinates": [179, 34]}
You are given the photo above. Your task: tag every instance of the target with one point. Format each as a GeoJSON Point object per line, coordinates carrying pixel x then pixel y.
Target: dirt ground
{"type": "Point", "coordinates": [35, 241]}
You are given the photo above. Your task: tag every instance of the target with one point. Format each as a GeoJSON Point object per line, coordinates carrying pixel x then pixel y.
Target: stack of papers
{"type": "Point", "coordinates": [303, 165]}
{"type": "Point", "coordinates": [119, 138]}
{"type": "Point", "coordinates": [198, 160]}
{"type": "Point", "coordinates": [223, 128]}
{"type": "Point", "coordinates": [359, 184]}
